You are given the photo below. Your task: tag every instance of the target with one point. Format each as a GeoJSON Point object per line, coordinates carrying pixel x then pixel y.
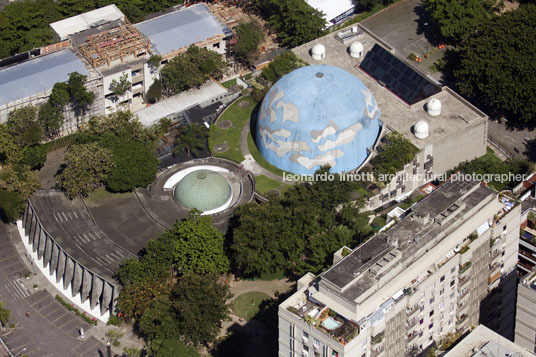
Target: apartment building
{"type": "Point", "coordinates": [525, 328]}
{"type": "Point", "coordinates": [409, 286]}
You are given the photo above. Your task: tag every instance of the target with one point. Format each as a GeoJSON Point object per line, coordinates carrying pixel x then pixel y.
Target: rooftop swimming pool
{"type": "Point", "coordinates": [330, 323]}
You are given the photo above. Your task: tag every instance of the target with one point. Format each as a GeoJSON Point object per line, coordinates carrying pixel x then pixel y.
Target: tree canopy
{"type": "Point", "coordinates": [497, 68]}
{"type": "Point", "coordinates": [286, 235]}
{"type": "Point", "coordinates": [86, 168]}
{"type": "Point", "coordinates": [250, 36]}
{"type": "Point", "coordinates": [280, 65]}
{"type": "Point", "coordinates": [191, 139]}
{"type": "Point", "coordinates": [457, 20]}
{"type": "Point", "coordinates": [191, 69]}
{"type": "Point", "coordinates": [24, 127]}
{"type": "Point", "coordinates": [295, 21]}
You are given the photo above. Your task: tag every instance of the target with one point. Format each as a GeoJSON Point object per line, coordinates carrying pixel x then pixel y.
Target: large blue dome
{"type": "Point", "coordinates": [317, 115]}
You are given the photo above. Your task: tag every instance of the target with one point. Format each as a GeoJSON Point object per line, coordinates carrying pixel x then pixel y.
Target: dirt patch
{"type": "Point", "coordinates": [243, 104]}
{"type": "Point", "coordinates": [225, 124]}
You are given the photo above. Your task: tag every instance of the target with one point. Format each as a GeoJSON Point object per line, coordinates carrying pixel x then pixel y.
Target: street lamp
{"type": "Point", "coordinates": [18, 354]}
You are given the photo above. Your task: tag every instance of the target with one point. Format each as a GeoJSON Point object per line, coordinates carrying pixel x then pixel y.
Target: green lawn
{"type": "Point", "coordinates": [238, 116]}
{"type": "Point", "coordinates": [229, 83]}
{"type": "Point", "coordinates": [247, 304]}
{"type": "Point", "coordinates": [264, 184]}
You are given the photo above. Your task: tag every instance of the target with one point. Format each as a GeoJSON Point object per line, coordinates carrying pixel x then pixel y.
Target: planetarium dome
{"type": "Point", "coordinates": [317, 115]}
{"type": "Point", "coordinates": [205, 190]}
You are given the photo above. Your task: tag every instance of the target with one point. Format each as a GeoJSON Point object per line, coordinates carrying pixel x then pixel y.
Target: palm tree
{"type": "Point", "coordinates": [4, 315]}
{"type": "Point", "coordinates": [191, 138]}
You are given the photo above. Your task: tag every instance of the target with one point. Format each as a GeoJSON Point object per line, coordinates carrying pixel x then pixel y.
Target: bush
{"type": "Point", "coordinates": [71, 307]}
{"type": "Point", "coordinates": [35, 156]}
{"type": "Point", "coordinates": [258, 94]}
{"type": "Point", "coordinates": [114, 321]}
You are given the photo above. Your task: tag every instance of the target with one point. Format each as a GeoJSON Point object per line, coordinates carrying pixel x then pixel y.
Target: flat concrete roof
{"type": "Point", "coordinates": [71, 226]}
{"type": "Point", "coordinates": [181, 28]}
{"type": "Point", "coordinates": [483, 342]}
{"type": "Point", "coordinates": [404, 239]}
{"type": "Point", "coordinates": [67, 27]}
{"type": "Point", "coordinates": [39, 74]}
{"type": "Point", "coordinates": [457, 114]}
{"type": "Point", "coordinates": [182, 101]}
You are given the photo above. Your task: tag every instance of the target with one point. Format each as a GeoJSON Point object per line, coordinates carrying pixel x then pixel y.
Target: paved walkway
{"type": "Point", "coordinates": [50, 329]}
{"type": "Point", "coordinates": [249, 163]}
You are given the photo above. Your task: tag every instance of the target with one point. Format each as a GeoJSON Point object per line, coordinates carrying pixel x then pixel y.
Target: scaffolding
{"type": "Point", "coordinates": [116, 43]}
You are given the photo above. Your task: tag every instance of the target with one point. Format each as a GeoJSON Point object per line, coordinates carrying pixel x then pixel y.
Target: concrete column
{"type": "Point", "coordinates": [25, 216]}
{"type": "Point", "coordinates": [54, 257]}
{"type": "Point", "coordinates": [61, 265]}
{"type": "Point", "coordinates": [77, 278]}
{"type": "Point", "coordinates": [32, 235]}
{"type": "Point", "coordinates": [96, 291]}
{"type": "Point", "coordinates": [42, 242]}
{"type": "Point", "coordinates": [69, 271]}
{"type": "Point", "coordinates": [107, 293]}
{"type": "Point", "coordinates": [87, 283]}
{"type": "Point", "coordinates": [47, 254]}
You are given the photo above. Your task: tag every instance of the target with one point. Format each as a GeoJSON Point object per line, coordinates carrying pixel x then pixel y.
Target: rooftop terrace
{"type": "Point", "coordinates": [457, 114]}
{"type": "Point", "coordinates": [363, 268]}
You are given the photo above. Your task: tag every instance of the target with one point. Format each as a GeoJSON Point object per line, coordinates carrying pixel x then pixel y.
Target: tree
{"type": "Point", "coordinates": [87, 167]}
{"type": "Point", "coordinates": [23, 127]}
{"type": "Point", "coordinates": [368, 5]}
{"type": "Point", "coordinates": [200, 303]}
{"type": "Point", "coordinates": [199, 247]}
{"type": "Point", "coordinates": [250, 36]}
{"type": "Point", "coordinates": [171, 347]}
{"type": "Point", "coordinates": [191, 69]}
{"type": "Point", "coordinates": [155, 61]}
{"type": "Point", "coordinates": [81, 98]}
{"type": "Point", "coordinates": [131, 352]}
{"type": "Point", "coordinates": [457, 20]}
{"type": "Point", "coordinates": [121, 86]}
{"type": "Point", "coordinates": [280, 65]}
{"type": "Point", "coordinates": [496, 66]}
{"type": "Point", "coordinates": [10, 203]}
{"type": "Point", "coordinates": [4, 315]}
{"type": "Point", "coordinates": [35, 156]}
{"type": "Point", "coordinates": [191, 138]}
{"type": "Point", "coordinates": [10, 152]}
{"type": "Point", "coordinates": [158, 320]}
{"type": "Point", "coordinates": [60, 96]}
{"type": "Point", "coordinates": [294, 21]}
{"type": "Point", "coordinates": [51, 119]}
{"type": "Point", "coordinates": [19, 179]}
{"type": "Point", "coordinates": [134, 164]}
{"type": "Point", "coordinates": [394, 153]}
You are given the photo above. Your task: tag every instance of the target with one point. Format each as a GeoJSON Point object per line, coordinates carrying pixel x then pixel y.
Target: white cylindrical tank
{"type": "Point", "coordinates": [318, 52]}
{"type": "Point", "coordinates": [433, 107]}
{"type": "Point", "coordinates": [354, 29]}
{"type": "Point", "coordinates": [356, 49]}
{"type": "Point", "coordinates": [421, 129]}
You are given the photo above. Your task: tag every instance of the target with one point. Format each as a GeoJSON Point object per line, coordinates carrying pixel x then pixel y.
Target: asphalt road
{"type": "Point", "coordinates": [50, 329]}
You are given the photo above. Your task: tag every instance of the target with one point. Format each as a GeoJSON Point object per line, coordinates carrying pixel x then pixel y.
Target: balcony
{"type": "Point", "coordinates": [495, 254]}
{"type": "Point", "coordinates": [463, 268]}
{"type": "Point", "coordinates": [411, 336]}
{"type": "Point", "coordinates": [377, 351]}
{"type": "Point", "coordinates": [375, 340]}
{"type": "Point", "coordinates": [528, 255]}
{"type": "Point", "coordinates": [463, 280]}
{"type": "Point", "coordinates": [464, 293]}
{"type": "Point", "coordinates": [411, 323]}
{"type": "Point", "coordinates": [412, 310]}
{"type": "Point", "coordinates": [461, 319]}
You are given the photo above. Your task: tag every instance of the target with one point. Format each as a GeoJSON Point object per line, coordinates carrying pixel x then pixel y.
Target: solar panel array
{"type": "Point", "coordinates": [398, 76]}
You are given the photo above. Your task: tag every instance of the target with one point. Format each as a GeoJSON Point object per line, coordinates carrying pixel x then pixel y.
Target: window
{"type": "Point", "coordinates": [450, 322]}
{"type": "Point", "coordinates": [216, 45]}
{"type": "Point", "coordinates": [422, 294]}
{"type": "Point", "coordinates": [316, 342]}
{"type": "Point", "coordinates": [441, 305]}
{"type": "Point", "coordinates": [305, 336]}
{"type": "Point", "coordinates": [452, 270]}
{"type": "Point", "coordinates": [431, 313]}
{"type": "Point", "coordinates": [432, 300]}
{"type": "Point", "coordinates": [433, 286]}
{"type": "Point", "coordinates": [452, 296]}
{"type": "Point", "coordinates": [305, 348]}
{"type": "Point", "coordinates": [430, 326]}
{"type": "Point", "coordinates": [504, 228]}
{"type": "Point", "coordinates": [421, 321]}
{"type": "Point", "coordinates": [442, 279]}
{"type": "Point", "coordinates": [452, 283]}
{"type": "Point", "coordinates": [442, 291]}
